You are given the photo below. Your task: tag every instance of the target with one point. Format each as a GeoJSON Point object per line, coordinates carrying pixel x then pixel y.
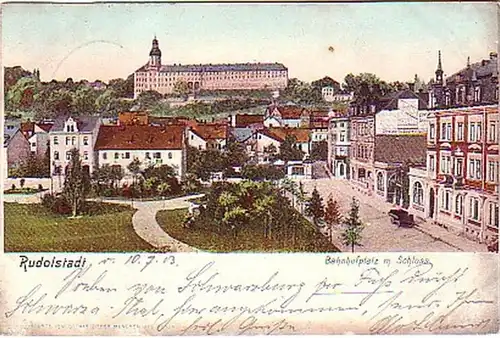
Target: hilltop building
{"type": "Point", "coordinates": [239, 76]}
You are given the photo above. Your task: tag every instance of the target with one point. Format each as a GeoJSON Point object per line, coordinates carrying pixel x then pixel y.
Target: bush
{"type": "Point", "coordinates": [56, 204]}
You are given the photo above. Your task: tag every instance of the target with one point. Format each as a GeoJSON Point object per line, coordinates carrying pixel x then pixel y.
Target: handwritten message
{"type": "Point", "coordinates": [205, 294]}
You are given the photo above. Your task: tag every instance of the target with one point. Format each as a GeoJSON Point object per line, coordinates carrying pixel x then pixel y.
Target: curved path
{"type": "Point", "coordinates": [146, 226]}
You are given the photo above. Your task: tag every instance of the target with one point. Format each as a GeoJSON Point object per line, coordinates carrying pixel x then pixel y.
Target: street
{"type": "Point", "coordinates": [379, 234]}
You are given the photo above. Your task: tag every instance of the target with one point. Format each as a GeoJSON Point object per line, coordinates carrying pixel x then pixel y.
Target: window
{"type": "Point", "coordinates": [56, 155]}
{"type": "Point", "coordinates": [85, 140]}
{"type": "Point", "coordinates": [73, 140]}
{"type": "Point", "coordinates": [169, 156]}
{"type": "Point", "coordinates": [126, 155]}
{"type": "Point", "coordinates": [68, 156]}
{"type": "Point", "coordinates": [157, 155]}
{"type": "Point", "coordinates": [493, 214]}
{"type": "Point", "coordinates": [459, 205]}
{"type": "Point", "coordinates": [418, 194]}
{"type": "Point", "coordinates": [432, 163]}
{"type": "Point", "coordinates": [104, 156]}
{"type": "Point", "coordinates": [445, 132]}
{"type": "Point", "coordinates": [459, 167]}
{"type": "Point", "coordinates": [492, 132]}
{"type": "Point", "coordinates": [475, 169]}
{"type": "Point", "coordinates": [342, 136]}
{"type": "Point", "coordinates": [445, 164]}
{"type": "Point", "coordinates": [493, 171]}
{"type": "Point", "coordinates": [460, 131]}
{"type": "Point", "coordinates": [477, 94]}
{"type": "Point", "coordinates": [117, 156]}
{"type": "Point", "coordinates": [475, 132]}
{"type": "Point", "coordinates": [474, 208]}
{"type": "Point", "coordinates": [67, 140]}
{"type": "Point", "coordinates": [147, 156]}
{"type": "Point", "coordinates": [56, 140]}
{"type": "Point", "coordinates": [85, 155]}
{"type": "Point", "coordinates": [445, 200]}
{"type": "Point", "coordinates": [380, 182]}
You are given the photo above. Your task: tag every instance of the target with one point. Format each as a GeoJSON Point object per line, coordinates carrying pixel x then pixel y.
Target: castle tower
{"type": "Point", "coordinates": [155, 54]}
{"type": "Point", "coordinates": [439, 70]}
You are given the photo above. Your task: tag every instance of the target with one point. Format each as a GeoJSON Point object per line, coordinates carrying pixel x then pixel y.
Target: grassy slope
{"type": "Point", "coordinates": [30, 228]}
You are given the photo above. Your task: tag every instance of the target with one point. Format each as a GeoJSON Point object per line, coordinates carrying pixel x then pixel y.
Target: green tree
{"type": "Point", "coordinates": [353, 227]}
{"type": "Point", "coordinates": [163, 188]}
{"type": "Point", "coordinates": [84, 101]}
{"type": "Point", "coordinates": [315, 208]}
{"type": "Point", "coordinates": [262, 208]}
{"type": "Point", "coordinates": [148, 99]}
{"type": "Point", "coordinates": [181, 88]}
{"type": "Point", "coordinates": [332, 214]}
{"type": "Point", "coordinates": [135, 168]}
{"type": "Point", "coordinates": [271, 153]}
{"type": "Point", "coordinates": [288, 150]}
{"type": "Point", "coordinates": [367, 87]}
{"type": "Point", "coordinates": [76, 183]}
{"type": "Point", "coordinates": [319, 151]}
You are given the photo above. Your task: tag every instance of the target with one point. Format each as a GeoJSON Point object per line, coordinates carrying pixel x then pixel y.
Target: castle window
{"type": "Point", "coordinates": [67, 140]}
{"type": "Point", "coordinates": [56, 140]}
{"type": "Point", "coordinates": [85, 155]}
{"type": "Point", "coordinates": [56, 155]}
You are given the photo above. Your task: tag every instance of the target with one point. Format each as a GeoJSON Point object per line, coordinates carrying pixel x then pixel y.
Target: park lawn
{"type": "Point", "coordinates": [250, 239]}
{"type": "Point", "coordinates": [31, 228]}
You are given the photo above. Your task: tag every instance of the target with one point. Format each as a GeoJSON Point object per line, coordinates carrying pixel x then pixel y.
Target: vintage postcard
{"type": "Point", "coordinates": [248, 169]}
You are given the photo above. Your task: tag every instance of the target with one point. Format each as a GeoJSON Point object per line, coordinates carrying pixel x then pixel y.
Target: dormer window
{"type": "Point", "coordinates": [70, 126]}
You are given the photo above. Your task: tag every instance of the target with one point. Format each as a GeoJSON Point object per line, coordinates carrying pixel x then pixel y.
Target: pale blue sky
{"type": "Point", "coordinates": [393, 40]}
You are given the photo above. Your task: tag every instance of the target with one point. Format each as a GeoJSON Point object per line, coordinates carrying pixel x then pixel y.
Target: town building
{"type": "Point", "coordinates": [16, 148]}
{"type": "Point", "coordinates": [151, 145]}
{"type": "Point", "coordinates": [252, 121]}
{"type": "Point", "coordinates": [208, 136]}
{"type": "Point", "coordinates": [69, 133]}
{"type": "Point", "coordinates": [38, 136]}
{"type": "Point", "coordinates": [338, 146]}
{"type": "Point", "coordinates": [241, 76]}
{"type": "Point", "coordinates": [284, 116]}
{"type": "Point", "coordinates": [275, 136]}
{"type": "Point", "coordinates": [328, 93]}
{"type": "Point", "coordinates": [402, 112]}
{"type": "Point", "coordinates": [474, 85]}
{"type": "Point", "coordinates": [393, 157]}
{"type": "Point", "coordinates": [459, 189]}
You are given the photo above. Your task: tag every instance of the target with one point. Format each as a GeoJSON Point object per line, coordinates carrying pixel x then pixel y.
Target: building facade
{"type": "Point", "coordinates": [474, 85]}
{"type": "Point", "coordinates": [151, 145]}
{"type": "Point", "coordinates": [460, 190]}
{"type": "Point", "coordinates": [241, 76]}
{"type": "Point", "coordinates": [338, 146]}
{"type": "Point", "coordinates": [69, 133]}
{"type": "Point", "coordinates": [361, 154]}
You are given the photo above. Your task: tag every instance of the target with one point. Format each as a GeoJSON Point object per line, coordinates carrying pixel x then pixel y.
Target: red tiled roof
{"type": "Point", "coordinates": [27, 127]}
{"type": "Point", "coordinates": [211, 131]}
{"type": "Point", "coordinates": [279, 134]}
{"type": "Point", "coordinates": [45, 126]}
{"type": "Point", "coordinates": [172, 120]}
{"type": "Point", "coordinates": [139, 137]}
{"type": "Point", "coordinates": [129, 118]}
{"type": "Point", "coordinates": [289, 112]}
{"type": "Point", "coordinates": [401, 148]}
{"type": "Point", "coordinates": [246, 120]}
